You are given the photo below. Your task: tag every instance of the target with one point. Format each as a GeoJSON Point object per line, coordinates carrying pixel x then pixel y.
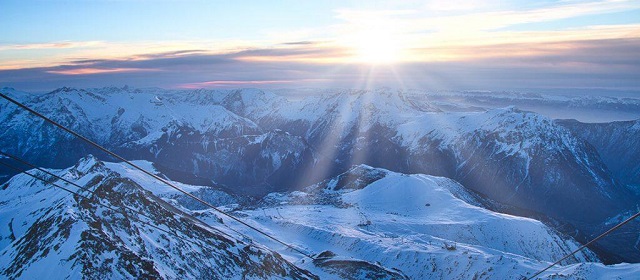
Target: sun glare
{"type": "Point", "coordinates": [374, 40]}
{"type": "Point", "coordinates": [376, 47]}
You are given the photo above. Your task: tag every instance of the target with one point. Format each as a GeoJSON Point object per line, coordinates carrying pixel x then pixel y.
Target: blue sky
{"type": "Point", "coordinates": [402, 44]}
{"type": "Point", "coordinates": [46, 21]}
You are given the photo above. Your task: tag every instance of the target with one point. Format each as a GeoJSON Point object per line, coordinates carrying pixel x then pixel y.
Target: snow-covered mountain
{"type": "Point", "coordinates": [364, 223]}
{"type": "Point", "coordinates": [51, 233]}
{"type": "Point", "coordinates": [517, 158]}
{"type": "Point", "coordinates": [188, 133]}
{"type": "Point", "coordinates": [424, 227]}
{"type": "Point", "coordinates": [617, 143]}
{"type": "Point", "coordinates": [252, 142]}
{"type": "Point", "coordinates": [369, 221]}
{"type": "Point", "coordinates": [378, 202]}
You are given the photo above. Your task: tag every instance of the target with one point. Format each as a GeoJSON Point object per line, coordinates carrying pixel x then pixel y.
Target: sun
{"type": "Point", "coordinates": [374, 41]}
{"type": "Point", "coordinates": [376, 47]}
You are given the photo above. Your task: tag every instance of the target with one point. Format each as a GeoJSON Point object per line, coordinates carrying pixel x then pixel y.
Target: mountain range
{"type": "Point", "coordinates": [411, 174]}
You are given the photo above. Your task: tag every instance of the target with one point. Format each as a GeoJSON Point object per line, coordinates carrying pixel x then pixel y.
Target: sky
{"type": "Point", "coordinates": [438, 45]}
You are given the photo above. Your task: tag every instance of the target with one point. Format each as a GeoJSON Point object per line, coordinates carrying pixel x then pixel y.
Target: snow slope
{"type": "Point", "coordinates": [48, 233]}
{"type": "Point", "coordinates": [376, 223]}
{"type": "Point", "coordinates": [419, 225]}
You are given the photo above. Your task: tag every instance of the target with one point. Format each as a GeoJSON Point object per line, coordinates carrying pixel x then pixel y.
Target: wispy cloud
{"type": "Point", "coordinates": [91, 71]}
{"type": "Point", "coordinates": [582, 63]}
{"type": "Point", "coordinates": [463, 30]}
{"type": "Point", "coordinates": [63, 53]}
{"type": "Point", "coordinates": [438, 43]}
{"type": "Point", "coordinates": [308, 53]}
{"type": "Point", "coordinates": [499, 19]}
{"type": "Point", "coordinates": [52, 45]}
{"type": "Point", "coordinates": [410, 29]}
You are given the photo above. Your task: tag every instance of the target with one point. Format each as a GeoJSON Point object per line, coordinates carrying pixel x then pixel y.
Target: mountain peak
{"type": "Point", "coordinates": [66, 90]}
{"type": "Point", "coordinates": [88, 164]}
{"type": "Point", "coordinates": [358, 177]}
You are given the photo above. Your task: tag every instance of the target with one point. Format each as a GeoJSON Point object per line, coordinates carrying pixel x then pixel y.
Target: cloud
{"type": "Point", "coordinates": [53, 45]}
{"type": "Point", "coordinates": [425, 26]}
{"type": "Point", "coordinates": [601, 52]}
{"type": "Point", "coordinates": [606, 63]}
{"type": "Point", "coordinates": [500, 19]}
{"type": "Point", "coordinates": [309, 53]}
{"type": "Point", "coordinates": [91, 71]}
{"type": "Point", "coordinates": [451, 48]}
{"type": "Point", "coordinates": [447, 28]}
{"type": "Point", "coordinates": [300, 43]}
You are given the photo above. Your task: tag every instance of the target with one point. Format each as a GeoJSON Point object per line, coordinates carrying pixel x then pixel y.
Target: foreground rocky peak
{"type": "Point", "coordinates": [55, 233]}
